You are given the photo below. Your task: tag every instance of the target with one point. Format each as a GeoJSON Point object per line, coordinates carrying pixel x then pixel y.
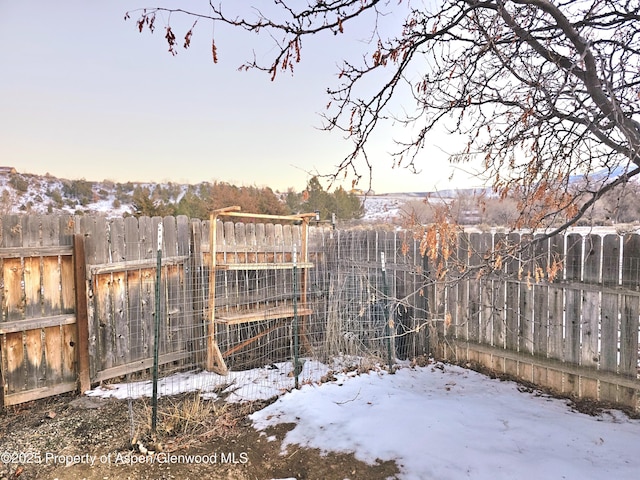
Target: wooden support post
{"type": "Point", "coordinates": [304, 257]}
{"type": "Point", "coordinates": [82, 318]}
{"type": "Point", "coordinates": [215, 361]}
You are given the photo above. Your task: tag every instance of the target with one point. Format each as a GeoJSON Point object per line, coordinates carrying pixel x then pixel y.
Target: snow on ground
{"type": "Point", "coordinates": [437, 422]}
{"type": "Point", "coordinates": [248, 385]}
{"type": "Point", "coordinates": [453, 423]}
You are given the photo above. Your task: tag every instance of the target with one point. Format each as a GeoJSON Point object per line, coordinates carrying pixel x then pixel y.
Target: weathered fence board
{"type": "Point", "coordinates": [512, 310]}
{"type": "Point", "coordinates": [556, 322]}
{"type": "Point", "coordinates": [463, 311]}
{"type": "Point", "coordinates": [557, 319]}
{"type": "Point", "coordinates": [499, 299]}
{"type": "Point", "coordinates": [474, 290]}
{"type": "Point", "coordinates": [609, 332]}
{"type": "Point", "coordinates": [573, 299]}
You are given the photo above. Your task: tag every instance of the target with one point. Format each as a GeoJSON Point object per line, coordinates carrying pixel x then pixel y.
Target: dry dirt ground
{"type": "Point", "coordinates": [71, 437]}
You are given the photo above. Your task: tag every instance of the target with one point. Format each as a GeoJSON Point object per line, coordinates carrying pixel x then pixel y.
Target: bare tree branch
{"type": "Point", "coordinates": [542, 91]}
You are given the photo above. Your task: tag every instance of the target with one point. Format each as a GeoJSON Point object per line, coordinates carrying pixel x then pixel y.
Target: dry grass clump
{"type": "Point", "coordinates": [187, 419]}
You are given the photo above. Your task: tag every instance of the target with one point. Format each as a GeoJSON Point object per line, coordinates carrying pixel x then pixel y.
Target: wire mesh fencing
{"type": "Point", "coordinates": [279, 313]}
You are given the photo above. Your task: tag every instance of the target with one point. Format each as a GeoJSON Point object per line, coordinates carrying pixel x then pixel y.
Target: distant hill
{"type": "Point", "coordinates": [24, 193]}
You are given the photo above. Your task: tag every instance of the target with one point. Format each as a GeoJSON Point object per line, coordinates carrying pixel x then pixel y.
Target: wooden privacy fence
{"type": "Point", "coordinates": [77, 297]}
{"type": "Point", "coordinates": [577, 334]}
{"type": "Point", "coordinates": [121, 256]}
{"type": "Point", "coordinates": [40, 308]}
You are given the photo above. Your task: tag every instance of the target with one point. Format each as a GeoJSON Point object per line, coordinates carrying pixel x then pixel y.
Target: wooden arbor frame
{"type": "Point", "coordinates": [216, 358]}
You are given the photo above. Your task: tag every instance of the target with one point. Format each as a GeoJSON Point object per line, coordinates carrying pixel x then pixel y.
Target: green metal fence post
{"type": "Point", "coordinates": [156, 341]}
{"type": "Point", "coordinates": [388, 320]}
{"type": "Point", "coordinates": [296, 342]}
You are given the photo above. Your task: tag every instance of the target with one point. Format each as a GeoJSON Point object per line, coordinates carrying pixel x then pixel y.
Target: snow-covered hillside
{"type": "Point", "coordinates": [42, 194]}
{"type": "Point", "coordinates": [37, 194]}
{"type": "Point", "coordinates": [383, 208]}
{"type": "Point", "coordinates": [22, 193]}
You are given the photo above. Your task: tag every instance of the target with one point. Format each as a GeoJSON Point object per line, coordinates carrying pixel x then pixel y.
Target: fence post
{"type": "Point", "coordinates": [388, 325]}
{"type": "Point", "coordinates": [296, 343]}
{"type": "Point", "coordinates": [156, 336]}
{"type": "Point", "coordinates": [430, 341]}
{"type": "Point", "coordinates": [82, 318]}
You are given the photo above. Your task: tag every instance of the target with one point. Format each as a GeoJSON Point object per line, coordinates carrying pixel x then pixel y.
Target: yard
{"type": "Point", "coordinates": [432, 421]}
{"type": "Point", "coordinates": [577, 335]}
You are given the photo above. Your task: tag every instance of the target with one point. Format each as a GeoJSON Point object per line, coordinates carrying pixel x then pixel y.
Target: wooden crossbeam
{"type": "Point", "coordinates": [260, 314]}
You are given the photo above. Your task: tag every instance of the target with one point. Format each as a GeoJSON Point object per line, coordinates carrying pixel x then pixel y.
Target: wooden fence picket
{"type": "Point", "coordinates": [474, 289]}
{"type": "Point", "coordinates": [526, 342]}
{"type": "Point", "coordinates": [512, 310]}
{"type": "Point", "coordinates": [573, 295]}
{"type": "Point", "coordinates": [463, 312]}
{"type": "Point", "coordinates": [556, 298]}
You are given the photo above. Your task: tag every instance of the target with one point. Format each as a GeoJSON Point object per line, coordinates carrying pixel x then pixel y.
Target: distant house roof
{"type": "Point", "coordinates": [8, 170]}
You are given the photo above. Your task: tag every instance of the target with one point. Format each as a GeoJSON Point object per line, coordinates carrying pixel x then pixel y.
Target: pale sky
{"type": "Point", "coordinates": [84, 95]}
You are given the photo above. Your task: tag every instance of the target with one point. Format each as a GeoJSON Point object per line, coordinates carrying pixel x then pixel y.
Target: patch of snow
{"type": "Point", "coordinates": [455, 424]}
{"type": "Point", "coordinates": [249, 385]}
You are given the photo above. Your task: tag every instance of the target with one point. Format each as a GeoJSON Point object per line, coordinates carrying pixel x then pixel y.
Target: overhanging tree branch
{"type": "Point", "coordinates": [542, 91]}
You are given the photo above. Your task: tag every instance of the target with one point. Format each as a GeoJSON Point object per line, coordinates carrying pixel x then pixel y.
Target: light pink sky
{"type": "Point", "coordinates": [84, 95]}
